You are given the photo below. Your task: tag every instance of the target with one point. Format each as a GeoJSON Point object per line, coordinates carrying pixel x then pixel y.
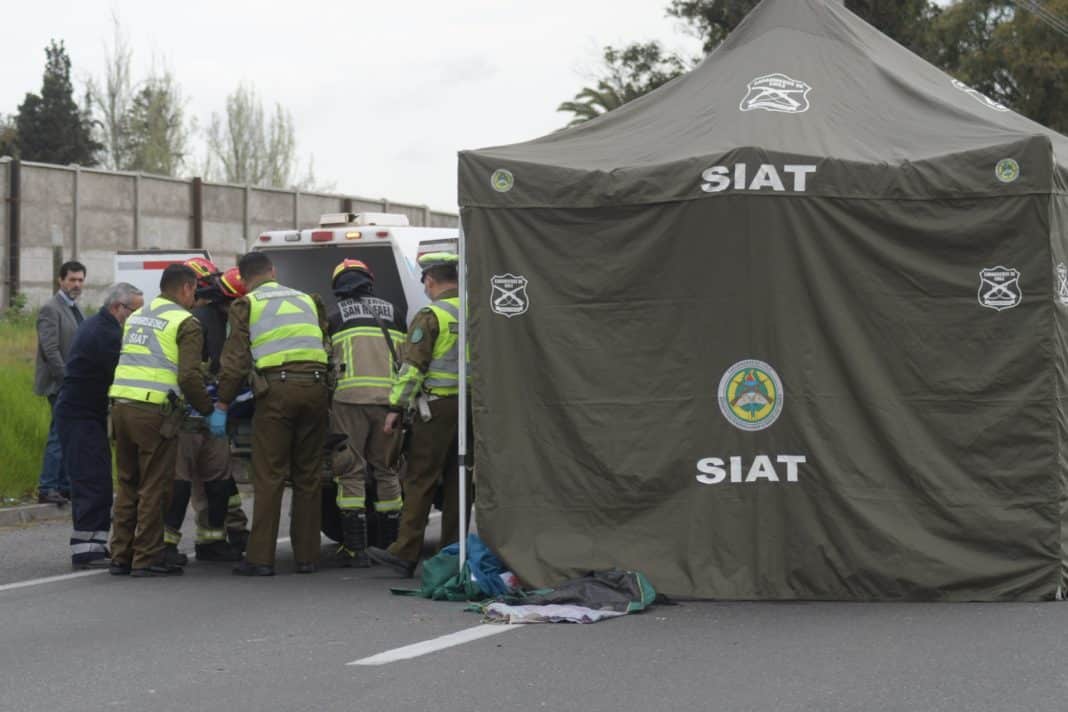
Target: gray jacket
{"type": "Point", "coordinates": [55, 334]}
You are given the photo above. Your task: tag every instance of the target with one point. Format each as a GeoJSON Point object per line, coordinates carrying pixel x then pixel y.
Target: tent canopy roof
{"type": "Point", "coordinates": [797, 77]}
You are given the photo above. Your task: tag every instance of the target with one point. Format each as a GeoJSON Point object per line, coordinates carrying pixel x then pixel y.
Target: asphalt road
{"type": "Point", "coordinates": [209, 640]}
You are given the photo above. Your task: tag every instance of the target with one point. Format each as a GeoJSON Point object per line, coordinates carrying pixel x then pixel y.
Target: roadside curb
{"type": "Point", "coordinates": [11, 516]}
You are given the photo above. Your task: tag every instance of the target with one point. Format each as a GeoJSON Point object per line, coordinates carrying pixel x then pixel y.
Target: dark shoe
{"type": "Point", "coordinates": [347, 558]}
{"type": "Point", "coordinates": [307, 567]}
{"type": "Point", "coordinates": [51, 497]}
{"type": "Point", "coordinates": [249, 569]}
{"type": "Point", "coordinates": [159, 569]}
{"type": "Point", "coordinates": [238, 540]}
{"type": "Point", "coordinates": [217, 551]}
{"type": "Point", "coordinates": [117, 568]}
{"type": "Point", "coordinates": [101, 562]}
{"type": "Point", "coordinates": [173, 557]}
{"type": "Point", "coordinates": [388, 527]}
{"type": "Point", "coordinates": [65, 494]}
{"type": "Point", "coordinates": [382, 556]}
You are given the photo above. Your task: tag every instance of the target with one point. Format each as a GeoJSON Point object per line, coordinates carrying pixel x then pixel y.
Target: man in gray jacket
{"type": "Point", "coordinates": [56, 323]}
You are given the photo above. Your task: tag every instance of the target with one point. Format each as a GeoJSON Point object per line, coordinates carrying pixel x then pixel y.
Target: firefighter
{"type": "Point", "coordinates": [365, 333]}
{"type": "Point", "coordinates": [203, 460]}
{"type": "Point", "coordinates": [158, 367]}
{"type": "Point", "coordinates": [279, 334]}
{"type": "Point", "coordinates": [429, 380]}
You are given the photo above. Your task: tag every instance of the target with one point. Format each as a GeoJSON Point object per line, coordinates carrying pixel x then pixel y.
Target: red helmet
{"type": "Point", "coordinates": [350, 265]}
{"type": "Point", "coordinates": [231, 284]}
{"type": "Point", "coordinates": [204, 268]}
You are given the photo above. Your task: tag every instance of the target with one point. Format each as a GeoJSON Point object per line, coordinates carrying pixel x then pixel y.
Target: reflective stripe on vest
{"type": "Point", "coordinates": [283, 326]}
{"type": "Point", "coordinates": [443, 374]}
{"type": "Point", "coordinates": [379, 373]}
{"type": "Point", "coordinates": [148, 362]}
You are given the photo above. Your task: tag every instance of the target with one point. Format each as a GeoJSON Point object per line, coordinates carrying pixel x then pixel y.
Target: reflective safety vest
{"type": "Point", "coordinates": [148, 362]}
{"type": "Point", "coordinates": [368, 364]}
{"type": "Point", "coordinates": [283, 327]}
{"type": "Point", "coordinates": [443, 375]}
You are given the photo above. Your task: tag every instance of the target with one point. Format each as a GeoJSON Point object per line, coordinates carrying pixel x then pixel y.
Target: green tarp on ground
{"type": "Point", "coordinates": [792, 327]}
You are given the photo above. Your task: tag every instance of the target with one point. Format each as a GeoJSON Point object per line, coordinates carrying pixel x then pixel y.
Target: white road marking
{"type": "Point", "coordinates": [65, 577]}
{"type": "Point", "coordinates": [435, 644]}
{"type": "Point", "coordinates": [50, 579]}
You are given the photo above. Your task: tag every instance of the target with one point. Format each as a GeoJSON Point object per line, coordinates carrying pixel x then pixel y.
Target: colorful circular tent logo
{"type": "Point", "coordinates": [502, 180]}
{"type": "Point", "coordinates": [1007, 170]}
{"type": "Point", "coordinates": [750, 395]}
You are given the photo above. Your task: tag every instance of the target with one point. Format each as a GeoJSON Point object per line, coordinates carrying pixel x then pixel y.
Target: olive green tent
{"type": "Point", "coordinates": [793, 326]}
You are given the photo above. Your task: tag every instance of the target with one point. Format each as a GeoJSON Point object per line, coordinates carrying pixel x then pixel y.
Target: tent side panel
{"type": "Point", "coordinates": [1059, 249]}
{"type": "Point", "coordinates": [886, 428]}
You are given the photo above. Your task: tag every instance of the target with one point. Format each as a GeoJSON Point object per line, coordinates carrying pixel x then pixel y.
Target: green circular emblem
{"type": "Point", "coordinates": [750, 395]}
{"type": "Point", "coordinates": [417, 335]}
{"type": "Point", "coordinates": [502, 180]}
{"type": "Point", "coordinates": [1007, 170]}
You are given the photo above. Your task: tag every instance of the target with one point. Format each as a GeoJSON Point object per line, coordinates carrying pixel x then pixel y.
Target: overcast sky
{"type": "Point", "coordinates": [383, 93]}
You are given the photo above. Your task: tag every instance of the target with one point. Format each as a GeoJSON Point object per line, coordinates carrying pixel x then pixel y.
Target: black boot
{"type": "Point", "coordinates": [174, 515]}
{"type": "Point", "coordinates": [173, 557]}
{"type": "Point", "coordinates": [388, 528]}
{"type": "Point", "coordinates": [238, 539]}
{"type": "Point", "coordinates": [217, 551]}
{"type": "Point", "coordinates": [353, 549]}
{"type": "Point", "coordinates": [217, 493]}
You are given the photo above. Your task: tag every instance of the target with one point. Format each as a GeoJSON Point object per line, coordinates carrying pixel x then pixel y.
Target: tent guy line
{"type": "Point", "coordinates": [433, 645]}
{"type": "Point", "coordinates": [66, 577]}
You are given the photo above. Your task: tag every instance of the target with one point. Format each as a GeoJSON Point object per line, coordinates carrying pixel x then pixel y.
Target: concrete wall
{"type": "Point", "coordinates": [88, 215]}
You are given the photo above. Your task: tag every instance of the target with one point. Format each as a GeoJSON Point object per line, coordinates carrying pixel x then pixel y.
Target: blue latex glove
{"type": "Point", "coordinates": [217, 423]}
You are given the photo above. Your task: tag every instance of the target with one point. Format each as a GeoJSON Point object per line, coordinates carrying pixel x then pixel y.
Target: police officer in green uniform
{"type": "Point", "coordinates": [428, 381]}
{"type": "Point", "coordinates": [159, 366]}
{"type": "Point", "coordinates": [278, 334]}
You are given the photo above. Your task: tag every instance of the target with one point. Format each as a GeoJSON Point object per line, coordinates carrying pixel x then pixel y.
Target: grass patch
{"type": "Point", "coordinates": [24, 417]}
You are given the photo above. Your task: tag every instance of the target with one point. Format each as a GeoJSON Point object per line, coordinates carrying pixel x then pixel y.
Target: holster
{"type": "Point", "coordinates": [260, 384]}
{"type": "Point", "coordinates": [172, 422]}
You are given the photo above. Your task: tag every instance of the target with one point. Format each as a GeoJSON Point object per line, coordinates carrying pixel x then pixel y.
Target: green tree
{"type": "Point", "coordinates": [1009, 54]}
{"type": "Point", "coordinates": [155, 131]}
{"type": "Point", "coordinates": [50, 127]}
{"type": "Point", "coordinates": [7, 135]}
{"type": "Point", "coordinates": [630, 72]}
{"type": "Point", "coordinates": [246, 147]}
{"type": "Point", "coordinates": [640, 68]}
{"type": "Point", "coordinates": [905, 21]}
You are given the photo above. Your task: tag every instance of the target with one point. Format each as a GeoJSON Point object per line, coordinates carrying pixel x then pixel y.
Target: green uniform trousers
{"type": "Point", "coordinates": [205, 458]}
{"type": "Point", "coordinates": [236, 519]}
{"type": "Point", "coordinates": [370, 445]}
{"type": "Point", "coordinates": [288, 431]}
{"type": "Point", "coordinates": [432, 459]}
{"type": "Point", "coordinates": [145, 461]}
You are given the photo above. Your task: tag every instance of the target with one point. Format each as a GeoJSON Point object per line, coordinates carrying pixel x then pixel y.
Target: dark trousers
{"type": "Point", "coordinates": [288, 431]}
{"type": "Point", "coordinates": [432, 460]}
{"type": "Point", "coordinates": [87, 460]}
{"type": "Point", "coordinates": [53, 475]}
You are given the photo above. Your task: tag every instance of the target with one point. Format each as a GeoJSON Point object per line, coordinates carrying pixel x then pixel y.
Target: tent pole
{"type": "Point", "coordinates": [461, 429]}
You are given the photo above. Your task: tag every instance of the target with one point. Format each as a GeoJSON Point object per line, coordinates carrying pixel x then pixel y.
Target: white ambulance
{"type": "Point", "coordinates": [143, 268]}
{"type": "Point", "coordinates": [305, 259]}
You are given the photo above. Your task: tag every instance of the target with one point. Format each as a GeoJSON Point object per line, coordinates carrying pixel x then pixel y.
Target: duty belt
{"type": "Point", "coordinates": [143, 405]}
{"type": "Point", "coordinates": [306, 376]}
